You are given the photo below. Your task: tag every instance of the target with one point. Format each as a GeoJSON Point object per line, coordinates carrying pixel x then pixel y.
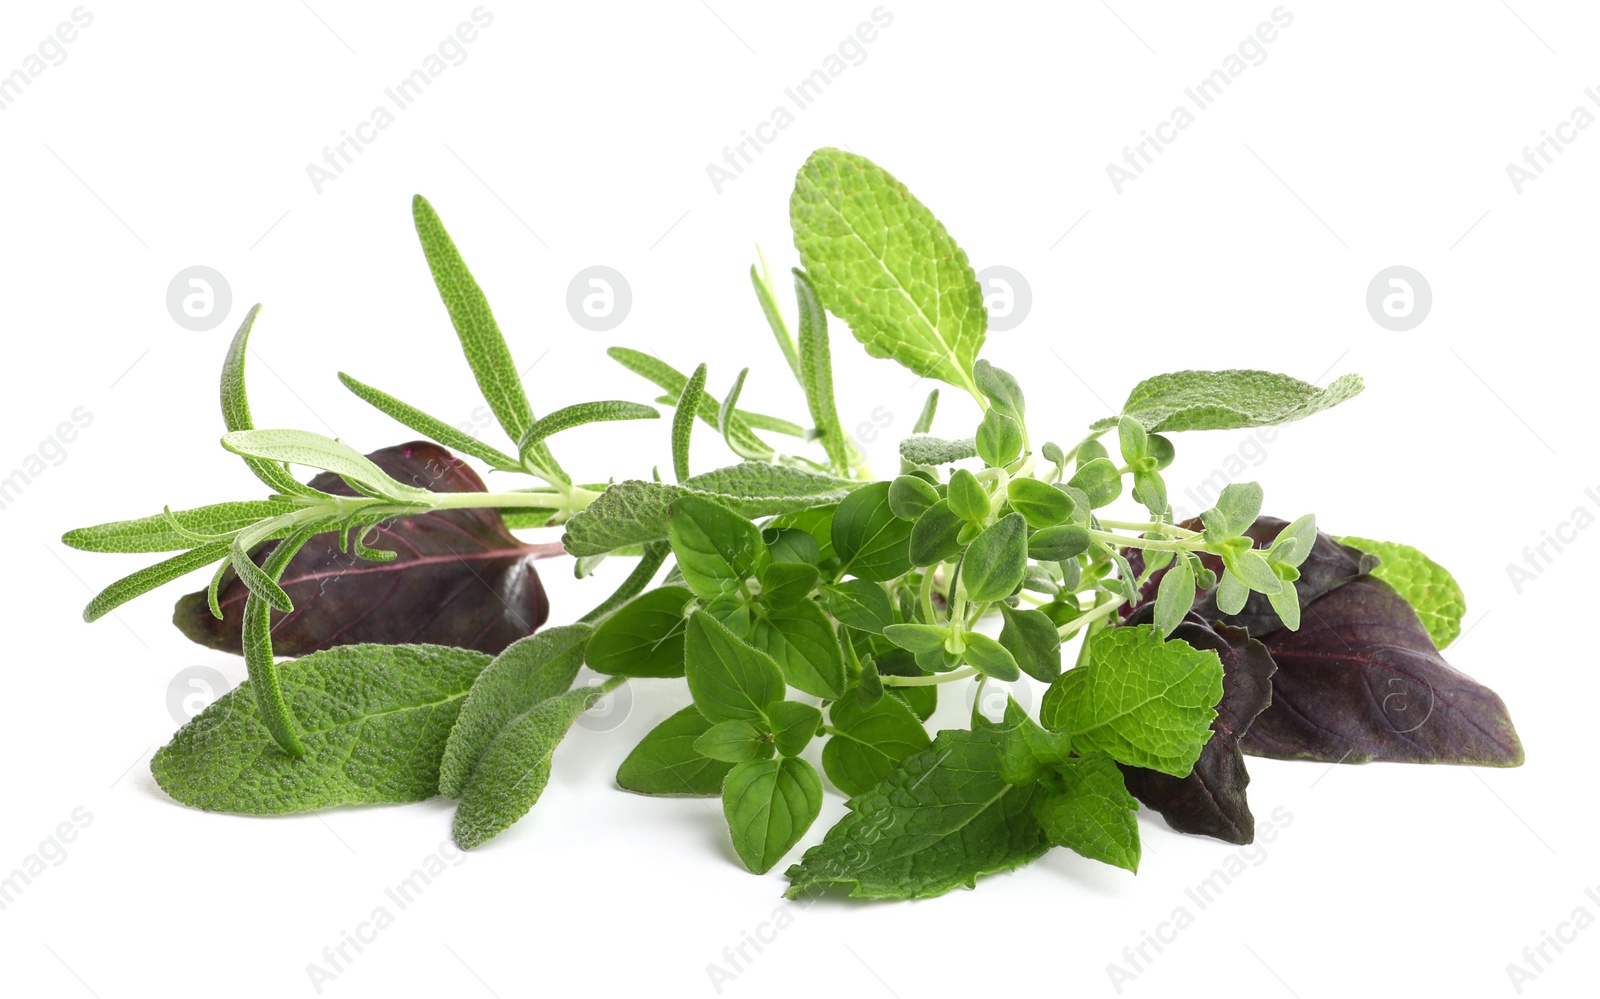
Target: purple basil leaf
{"type": "Point", "coordinates": [1211, 800]}
{"type": "Point", "coordinates": [1361, 680]}
{"type": "Point", "coordinates": [460, 578]}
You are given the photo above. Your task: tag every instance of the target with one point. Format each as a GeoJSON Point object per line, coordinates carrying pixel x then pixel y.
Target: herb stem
{"type": "Point", "coordinates": [928, 681]}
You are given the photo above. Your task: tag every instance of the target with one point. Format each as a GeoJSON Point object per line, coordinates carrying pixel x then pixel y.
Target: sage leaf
{"type": "Point", "coordinates": [1227, 400]}
{"type": "Point", "coordinates": [860, 604]}
{"type": "Point", "coordinates": [816, 373]}
{"type": "Point", "coordinates": [527, 673]}
{"type": "Point", "coordinates": [373, 719]}
{"type": "Point", "coordinates": [923, 450]}
{"type": "Point", "coordinates": [512, 772]}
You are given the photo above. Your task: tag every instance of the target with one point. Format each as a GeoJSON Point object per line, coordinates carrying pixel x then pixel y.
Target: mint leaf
{"type": "Point", "coordinates": [1084, 806]}
{"type": "Point", "coordinates": [881, 262]}
{"type": "Point", "coordinates": [529, 671]}
{"type": "Point", "coordinates": [729, 679]}
{"type": "Point", "coordinates": [512, 773]}
{"type": "Point", "coordinates": [644, 637]}
{"type": "Point", "coordinates": [770, 804]}
{"type": "Point", "coordinates": [938, 821]}
{"type": "Point", "coordinates": [872, 542]}
{"type": "Point", "coordinates": [373, 720]}
{"type": "Point", "coordinates": [867, 743]}
{"type": "Point", "coordinates": [665, 762]}
{"type": "Point", "coordinates": [1227, 400]}
{"type": "Point", "coordinates": [1145, 702]}
{"type": "Point", "coordinates": [802, 640]}
{"type": "Point", "coordinates": [1427, 586]}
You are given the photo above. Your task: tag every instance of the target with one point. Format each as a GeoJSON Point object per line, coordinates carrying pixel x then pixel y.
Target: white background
{"type": "Point", "coordinates": [1374, 134]}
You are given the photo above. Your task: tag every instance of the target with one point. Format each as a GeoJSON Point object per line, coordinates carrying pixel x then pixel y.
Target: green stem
{"type": "Point", "coordinates": [1124, 525]}
{"type": "Point", "coordinates": [1124, 541]}
{"type": "Point", "coordinates": [928, 681]}
{"type": "Point", "coordinates": [1077, 624]}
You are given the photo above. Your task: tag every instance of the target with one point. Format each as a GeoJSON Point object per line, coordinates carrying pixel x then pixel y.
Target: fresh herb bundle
{"type": "Point", "coordinates": [805, 602]}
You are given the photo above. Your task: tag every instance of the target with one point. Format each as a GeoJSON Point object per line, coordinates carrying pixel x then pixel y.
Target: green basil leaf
{"type": "Point", "coordinates": [870, 540]}
{"type": "Point", "coordinates": [644, 637]}
{"type": "Point", "coordinates": [716, 548]}
{"type": "Point", "coordinates": [769, 805]}
{"type": "Point", "coordinates": [729, 679]}
{"type": "Point", "coordinates": [869, 741]}
{"type": "Point", "coordinates": [802, 641]}
{"type": "Point", "coordinates": [994, 563]}
{"type": "Point", "coordinates": [734, 742]}
{"type": "Point", "coordinates": [1033, 641]}
{"type": "Point", "coordinates": [793, 726]}
{"type": "Point", "coordinates": [665, 763]}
